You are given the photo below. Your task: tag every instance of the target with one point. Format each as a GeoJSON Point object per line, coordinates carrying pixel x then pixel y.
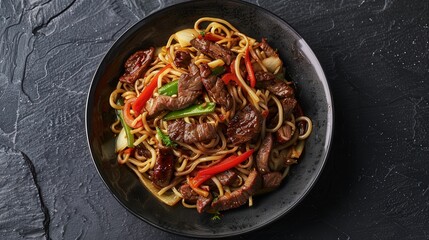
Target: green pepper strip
{"type": "Point", "coordinates": [165, 139]}
{"type": "Point", "coordinates": [194, 110]}
{"type": "Point", "coordinates": [169, 89]}
{"type": "Point", "coordinates": [130, 136]}
{"type": "Point", "coordinates": [218, 70]}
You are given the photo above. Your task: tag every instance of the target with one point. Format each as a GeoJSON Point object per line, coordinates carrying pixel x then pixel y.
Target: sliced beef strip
{"type": "Point", "coordinates": [182, 59]}
{"type": "Point", "coordinates": [191, 197]}
{"type": "Point", "coordinates": [281, 88]}
{"type": "Point", "coordinates": [191, 133]}
{"type": "Point", "coordinates": [204, 203]}
{"type": "Point", "coordinates": [176, 130]}
{"type": "Point", "coordinates": [262, 76]}
{"type": "Point", "coordinates": [215, 87]}
{"type": "Point", "coordinates": [271, 180]}
{"type": "Point", "coordinates": [188, 194]}
{"type": "Point", "coordinates": [142, 151]}
{"type": "Point", "coordinates": [276, 86]}
{"type": "Point", "coordinates": [245, 125]}
{"type": "Point", "coordinates": [189, 88]}
{"type": "Point", "coordinates": [136, 65]}
{"type": "Point", "coordinates": [213, 50]}
{"type": "Point", "coordinates": [164, 166]}
{"type": "Point", "coordinates": [163, 102]}
{"type": "Point", "coordinates": [199, 132]}
{"type": "Point", "coordinates": [192, 84]}
{"type": "Point", "coordinates": [273, 116]}
{"type": "Point", "coordinates": [288, 105]}
{"type": "Point", "coordinates": [263, 155]}
{"type": "Point", "coordinates": [205, 70]}
{"type": "Point", "coordinates": [284, 133]}
{"type": "Point", "coordinates": [240, 196]}
{"type": "Point", "coordinates": [286, 156]}
{"type": "Point", "coordinates": [226, 178]}
{"type": "Point", "coordinates": [269, 51]}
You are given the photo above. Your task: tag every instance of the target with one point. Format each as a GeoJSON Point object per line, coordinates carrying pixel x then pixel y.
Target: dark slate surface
{"type": "Point", "coordinates": [23, 213]}
{"type": "Point", "coordinates": [375, 55]}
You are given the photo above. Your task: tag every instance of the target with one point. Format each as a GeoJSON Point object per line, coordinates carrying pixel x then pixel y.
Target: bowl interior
{"type": "Point", "coordinates": [302, 66]}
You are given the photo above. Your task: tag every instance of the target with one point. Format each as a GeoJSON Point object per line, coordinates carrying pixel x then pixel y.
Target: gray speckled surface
{"type": "Point", "coordinates": [375, 56]}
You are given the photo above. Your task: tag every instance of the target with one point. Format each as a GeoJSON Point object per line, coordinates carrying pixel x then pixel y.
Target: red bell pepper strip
{"type": "Point", "coordinates": [231, 76]}
{"type": "Point", "coordinates": [128, 118]}
{"type": "Point", "coordinates": [232, 67]}
{"type": "Point", "coordinates": [148, 91]}
{"type": "Point", "coordinates": [198, 180]}
{"type": "Point", "coordinates": [265, 113]}
{"type": "Point", "coordinates": [228, 163]}
{"type": "Point", "coordinates": [249, 68]}
{"type": "Point", "coordinates": [129, 152]}
{"type": "Point", "coordinates": [200, 191]}
{"type": "Point", "coordinates": [210, 36]}
{"type": "Point", "coordinates": [227, 77]}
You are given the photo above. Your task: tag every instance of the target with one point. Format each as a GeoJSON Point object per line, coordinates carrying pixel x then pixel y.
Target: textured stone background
{"type": "Point", "coordinates": [375, 55]}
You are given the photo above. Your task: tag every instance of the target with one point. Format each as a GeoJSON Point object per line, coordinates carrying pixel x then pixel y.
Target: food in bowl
{"type": "Point", "coordinates": [208, 119]}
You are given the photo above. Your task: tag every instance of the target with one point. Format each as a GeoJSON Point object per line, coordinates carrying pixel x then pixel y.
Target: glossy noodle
{"type": "Point", "coordinates": [209, 119]}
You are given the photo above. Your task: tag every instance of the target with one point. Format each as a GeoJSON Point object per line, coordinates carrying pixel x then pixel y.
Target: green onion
{"type": "Point", "coordinates": [165, 139]}
{"type": "Point", "coordinates": [218, 70]}
{"type": "Point", "coordinates": [170, 88]}
{"type": "Point", "coordinates": [194, 110]}
{"type": "Point", "coordinates": [215, 217]}
{"type": "Point", "coordinates": [130, 136]}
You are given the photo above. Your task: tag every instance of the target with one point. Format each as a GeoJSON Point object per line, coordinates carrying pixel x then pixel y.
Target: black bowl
{"type": "Point", "coordinates": [301, 65]}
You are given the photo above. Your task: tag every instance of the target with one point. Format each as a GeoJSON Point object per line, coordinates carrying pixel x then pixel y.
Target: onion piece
{"type": "Point", "coordinates": [168, 198]}
{"type": "Point", "coordinates": [272, 63]}
{"type": "Point", "coordinates": [121, 141]}
{"type": "Point", "coordinates": [185, 36]}
{"type": "Point", "coordinates": [297, 149]}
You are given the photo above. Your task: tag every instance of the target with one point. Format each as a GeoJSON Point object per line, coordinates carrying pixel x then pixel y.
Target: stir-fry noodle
{"type": "Point", "coordinates": [208, 119]}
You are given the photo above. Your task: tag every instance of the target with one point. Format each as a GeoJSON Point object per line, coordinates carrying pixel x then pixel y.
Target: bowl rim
{"type": "Point", "coordinates": [313, 61]}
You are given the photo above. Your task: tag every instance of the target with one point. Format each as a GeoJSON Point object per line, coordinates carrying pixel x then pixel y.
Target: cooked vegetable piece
{"type": "Point", "coordinates": [168, 198]}
{"type": "Point", "coordinates": [128, 118]}
{"type": "Point", "coordinates": [228, 163]}
{"type": "Point", "coordinates": [249, 68]}
{"type": "Point", "coordinates": [125, 127]}
{"type": "Point", "coordinates": [169, 89]}
{"type": "Point", "coordinates": [165, 139]}
{"type": "Point", "coordinates": [194, 110]}
{"type": "Point", "coordinates": [218, 70]}
{"type": "Point", "coordinates": [209, 36]}
{"type": "Point", "coordinates": [185, 36]}
{"type": "Point", "coordinates": [297, 149]}
{"type": "Point", "coordinates": [121, 141]}
{"type": "Point", "coordinates": [272, 63]}
{"type": "Point", "coordinates": [148, 91]}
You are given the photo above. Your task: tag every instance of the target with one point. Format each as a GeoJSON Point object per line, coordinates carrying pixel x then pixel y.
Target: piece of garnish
{"type": "Point", "coordinates": [165, 139]}
{"type": "Point", "coordinates": [216, 216]}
